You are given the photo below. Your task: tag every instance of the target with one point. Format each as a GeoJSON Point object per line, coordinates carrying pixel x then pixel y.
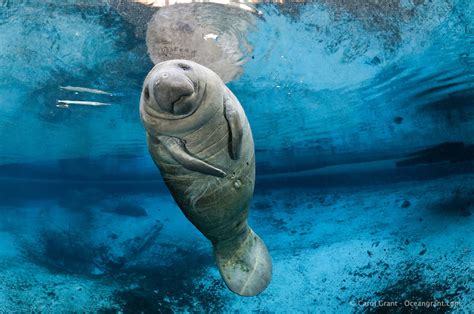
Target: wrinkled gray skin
{"type": "Point", "coordinates": [200, 139]}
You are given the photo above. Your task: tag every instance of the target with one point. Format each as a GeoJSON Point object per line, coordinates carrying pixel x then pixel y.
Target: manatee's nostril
{"type": "Point", "coordinates": [147, 93]}
{"type": "Point", "coordinates": [164, 75]}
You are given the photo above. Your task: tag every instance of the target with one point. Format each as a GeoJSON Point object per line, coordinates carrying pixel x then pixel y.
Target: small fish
{"type": "Point", "coordinates": [66, 103]}
{"type": "Point", "coordinates": [85, 90]}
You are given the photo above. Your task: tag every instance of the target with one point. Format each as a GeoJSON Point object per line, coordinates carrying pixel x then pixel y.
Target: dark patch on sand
{"type": "Point", "coordinates": [168, 288]}
{"type": "Point", "coordinates": [458, 203]}
{"type": "Point", "coordinates": [127, 209]}
{"type": "Point", "coordinates": [412, 286]}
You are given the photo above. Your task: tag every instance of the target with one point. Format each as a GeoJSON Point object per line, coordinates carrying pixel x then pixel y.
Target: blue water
{"type": "Point", "coordinates": [362, 117]}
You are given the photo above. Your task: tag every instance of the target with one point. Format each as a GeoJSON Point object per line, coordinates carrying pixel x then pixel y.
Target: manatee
{"type": "Point", "coordinates": [199, 138]}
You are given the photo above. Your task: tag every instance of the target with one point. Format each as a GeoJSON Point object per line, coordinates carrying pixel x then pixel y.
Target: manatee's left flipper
{"type": "Point", "coordinates": [176, 147]}
{"type": "Point", "coordinates": [236, 128]}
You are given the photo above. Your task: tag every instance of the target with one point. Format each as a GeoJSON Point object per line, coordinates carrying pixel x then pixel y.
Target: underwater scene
{"type": "Point", "coordinates": [138, 138]}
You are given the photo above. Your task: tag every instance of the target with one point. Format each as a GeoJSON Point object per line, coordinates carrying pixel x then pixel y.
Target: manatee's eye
{"type": "Point", "coordinates": [146, 93]}
{"type": "Point", "coordinates": [183, 66]}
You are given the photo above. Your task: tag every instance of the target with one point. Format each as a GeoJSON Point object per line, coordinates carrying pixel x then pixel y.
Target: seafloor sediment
{"type": "Point", "coordinates": [334, 250]}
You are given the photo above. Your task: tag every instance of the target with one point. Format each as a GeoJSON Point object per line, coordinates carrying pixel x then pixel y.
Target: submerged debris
{"type": "Point", "coordinates": [398, 120]}
{"type": "Point", "coordinates": [405, 204]}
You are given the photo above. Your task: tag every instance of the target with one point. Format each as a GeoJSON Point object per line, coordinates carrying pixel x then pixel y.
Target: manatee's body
{"type": "Point", "coordinates": [200, 139]}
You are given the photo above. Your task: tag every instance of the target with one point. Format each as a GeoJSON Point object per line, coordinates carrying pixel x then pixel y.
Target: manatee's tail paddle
{"type": "Point", "coordinates": [244, 263]}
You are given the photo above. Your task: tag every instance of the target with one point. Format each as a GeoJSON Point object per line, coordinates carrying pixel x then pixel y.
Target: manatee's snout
{"type": "Point", "coordinates": [170, 90]}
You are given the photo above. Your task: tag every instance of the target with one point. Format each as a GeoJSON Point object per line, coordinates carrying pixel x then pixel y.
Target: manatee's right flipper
{"type": "Point", "coordinates": [244, 264]}
{"type": "Point", "coordinates": [177, 149]}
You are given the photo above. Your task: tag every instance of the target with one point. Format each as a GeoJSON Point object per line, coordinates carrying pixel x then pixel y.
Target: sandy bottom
{"type": "Point", "coordinates": [340, 250]}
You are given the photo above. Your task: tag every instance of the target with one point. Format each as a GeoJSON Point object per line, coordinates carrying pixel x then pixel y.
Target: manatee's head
{"type": "Point", "coordinates": [174, 89]}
